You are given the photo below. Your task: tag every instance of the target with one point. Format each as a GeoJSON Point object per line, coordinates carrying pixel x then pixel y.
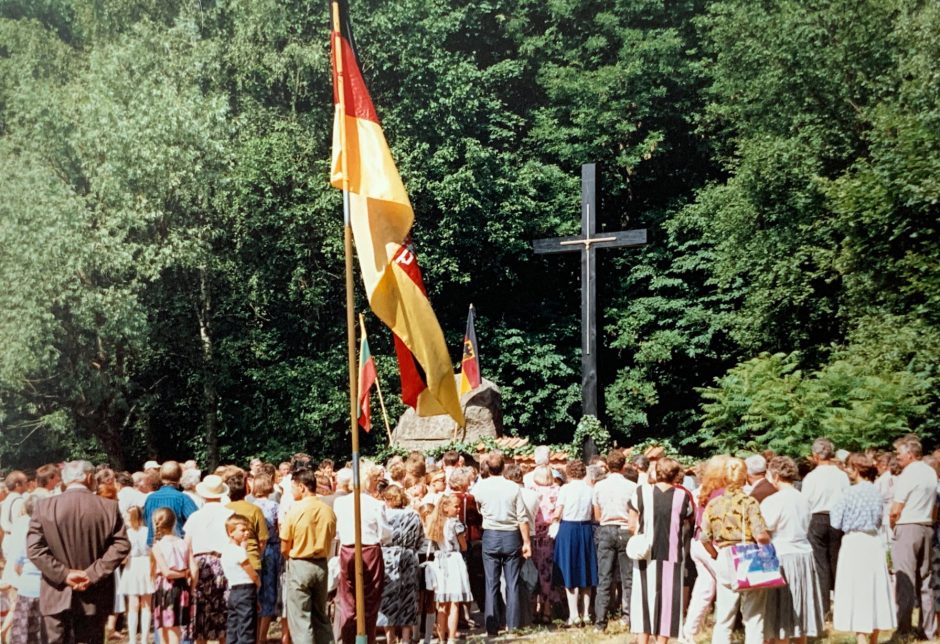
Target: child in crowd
{"type": "Point", "coordinates": [27, 624]}
{"type": "Point", "coordinates": [171, 596]}
{"type": "Point", "coordinates": [243, 583]}
{"type": "Point", "coordinates": [452, 588]}
{"type": "Point", "coordinates": [136, 583]}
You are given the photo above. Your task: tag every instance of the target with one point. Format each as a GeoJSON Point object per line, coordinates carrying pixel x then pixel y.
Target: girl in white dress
{"type": "Point", "coordinates": [136, 581]}
{"type": "Point", "coordinates": [452, 587]}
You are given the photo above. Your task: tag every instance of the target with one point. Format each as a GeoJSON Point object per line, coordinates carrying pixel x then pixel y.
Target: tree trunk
{"type": "Point", "coordinates": [209, 394]}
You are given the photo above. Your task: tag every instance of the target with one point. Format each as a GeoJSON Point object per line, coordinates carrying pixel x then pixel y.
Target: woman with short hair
{"type": "Point", "coordinates": [575, 556]}
{"type": "Point", "coordinates": [656, 595]}
{"type": "Point", "coordinates": [863, 600]}
{"type": "Point", "coordinates": [794, 611]}
{"type": "Point", "coordinates": [399, 607]}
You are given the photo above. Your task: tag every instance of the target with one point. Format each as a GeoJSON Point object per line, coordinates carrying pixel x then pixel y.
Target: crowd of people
{"type": "Point", "coordinates": [190, 556]}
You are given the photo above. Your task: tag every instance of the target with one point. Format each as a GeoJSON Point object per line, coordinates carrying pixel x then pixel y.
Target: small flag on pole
{"type": "Point", "coordinates": [367, 378]}
{"type": "Point", "coordinates": [470, 363]}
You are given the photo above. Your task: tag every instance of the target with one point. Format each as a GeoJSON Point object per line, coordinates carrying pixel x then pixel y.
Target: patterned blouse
{"type": "Point", "coordinates": [728, 515]}
{"type": "Point", "coordinates": [859, 509]}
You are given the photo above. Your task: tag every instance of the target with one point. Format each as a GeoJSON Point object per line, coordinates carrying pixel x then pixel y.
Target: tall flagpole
{"type": "Point", "coordinates": [350, 334]}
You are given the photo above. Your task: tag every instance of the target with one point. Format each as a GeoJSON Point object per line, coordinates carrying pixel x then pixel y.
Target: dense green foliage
{"type": "Point", "coordinates": [172, 254]}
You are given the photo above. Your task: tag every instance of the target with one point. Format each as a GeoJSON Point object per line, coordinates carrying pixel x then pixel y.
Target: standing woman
{"type": "Point", "coordinates": [105, 481]}
{"type": "Point", "coordinates": [863, 600]}
{"type": "Point", "coordinates": [399, 607]}
{"type": "Point", "coordinates": [575, 557]}
{"type": "Point", "coordinates": [794, 611]}
{"type": "Point", "coordinates": [731, 519]}
{"type": "Point", "coordinates": [543, 546]}
{"type": "Point", "coordinates": [262, 488]}
{"type": "Point", "coordinates": [656, 596]}
{"type": "Point", "coordinates": [703, 591]}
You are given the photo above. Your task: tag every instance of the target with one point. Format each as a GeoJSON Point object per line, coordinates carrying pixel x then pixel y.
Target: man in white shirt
{"type": "Point", "coordinates": [822, 488]}
{"type": "Point", "coordinates": [611, 498]}
{"type": "Point", "coordinates": [375, 531]}
{"type": "Point", "coordinates": [912, 515]}
{"type": "Point", "coordinates": [505, 537]}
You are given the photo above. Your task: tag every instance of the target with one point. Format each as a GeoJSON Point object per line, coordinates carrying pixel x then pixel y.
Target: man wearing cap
{"type": "Point", "coordinates": [77, 539]}
{"type": "Point", "coordinates": [169, 496]}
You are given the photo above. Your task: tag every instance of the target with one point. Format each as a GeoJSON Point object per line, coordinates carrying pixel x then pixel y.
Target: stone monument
{"type": "Point", "coordinates": [482, 411]}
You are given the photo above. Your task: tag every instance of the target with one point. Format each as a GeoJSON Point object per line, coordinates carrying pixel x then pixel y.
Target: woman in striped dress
{"type": "Point", "coordinates": [656, 598]}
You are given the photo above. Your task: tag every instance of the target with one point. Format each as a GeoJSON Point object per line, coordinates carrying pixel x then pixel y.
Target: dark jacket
{"type": "Point", "coordinates": [77, 530]}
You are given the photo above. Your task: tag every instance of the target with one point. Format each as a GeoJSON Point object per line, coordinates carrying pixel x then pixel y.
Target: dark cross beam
{"type": "Point", "coordinates": [586, 243]}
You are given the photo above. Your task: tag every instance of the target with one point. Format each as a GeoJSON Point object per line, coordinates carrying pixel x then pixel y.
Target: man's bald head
{"type": "Point", "coordinates": [170, 473]}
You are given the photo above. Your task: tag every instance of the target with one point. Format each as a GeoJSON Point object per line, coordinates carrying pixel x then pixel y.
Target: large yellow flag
{"type": "Point", "coordinates": [381, 217]}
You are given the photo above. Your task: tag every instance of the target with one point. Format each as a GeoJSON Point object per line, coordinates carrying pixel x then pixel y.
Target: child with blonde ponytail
{"type": "Point", "coordinates": [452, 587]}
{"type": "Point", "coordinates": [136, 581]}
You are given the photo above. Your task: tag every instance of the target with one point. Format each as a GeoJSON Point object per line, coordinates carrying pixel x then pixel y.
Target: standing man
{"type": "Point", "coordinates": [77, 540]}
{"type": "Point", "coordinates": [505, 538]}
{"type": "Point", "coordinates": [307, 534]}
{"type": "Point", "coordinates": [822, 488]}
{"type": "Point", "coordinates": [169, 496]}
{"type": "Point", "coordinates": [761, 488]}
{"type": "Point", "coordinates": [912, 517]}
{"type": "Point", "coordinates": [611, 498]}
{"type": "Point", "coordinates": [237, 483]}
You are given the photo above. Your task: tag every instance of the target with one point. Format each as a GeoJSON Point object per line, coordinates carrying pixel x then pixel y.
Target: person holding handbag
{"type": "Point", "coordinates": [659, 511]}
{"type": "Point", "coordinates": [731, 519]}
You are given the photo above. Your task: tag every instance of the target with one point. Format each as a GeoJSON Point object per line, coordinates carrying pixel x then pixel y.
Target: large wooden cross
{"type": "Point", "coordinates": [586, 243]}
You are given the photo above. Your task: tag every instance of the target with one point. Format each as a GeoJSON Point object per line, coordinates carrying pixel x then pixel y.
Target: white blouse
{"type": "Point", "coordinates": [577, 501]}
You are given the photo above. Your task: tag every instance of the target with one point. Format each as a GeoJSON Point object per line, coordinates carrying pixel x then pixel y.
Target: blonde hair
{"type": "Point", "coordinates": [713, 477]}
{"type": "Point", "coordinates": [163, 522]}
{"type": "Point", "coordinates": [434, 528]}
{"type": "Point", "coordinates": [735, 474]}
{"type": "Point", "coordinates": [236, 520]}
{"type": "Point", "coordinates": [135, 517]}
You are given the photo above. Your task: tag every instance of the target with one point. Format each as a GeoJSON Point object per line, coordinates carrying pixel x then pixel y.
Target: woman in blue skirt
{"type": "Point", "coordinates": [575, 557]}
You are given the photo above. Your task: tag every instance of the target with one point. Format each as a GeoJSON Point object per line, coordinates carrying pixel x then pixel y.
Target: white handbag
{"type": "Point", "coordinates": [640, 545]}
{"type": "Point", "coordinates": [553, 530]}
